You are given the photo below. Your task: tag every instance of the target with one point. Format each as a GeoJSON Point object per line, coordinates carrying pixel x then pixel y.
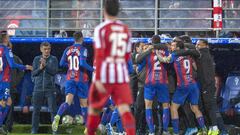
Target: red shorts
{"type": "Point", "coordinates": [120, 93]}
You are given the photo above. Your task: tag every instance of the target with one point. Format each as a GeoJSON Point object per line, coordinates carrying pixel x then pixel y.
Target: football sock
{"type": "Point", "coordinates": [5, 111]}
{"type": "Point", "coordinates": [175, 124]}
{"type": "Point", "coordinates": [165, 118]}
{"type": "Point", "coordinates": [64, 106]}
{"type": "Point", "coordinates": [119, 125]}
{"type": "Point", "coordinates": [92, 124]}
{"type": "Point", "coordinates": [106, 116]}
{"type": "Point", "coordinates": [1, 115]}
{"type": "Point", "coordinates": [149, 120]}
{"type": "Point", "coordinates": [114, 117]}
{"type": "Point", "coordinates": [201, 122]}
{"type": "Point", "coordinates": [84, 113]}
{"type": "Point", "coordinates": [128, 122]}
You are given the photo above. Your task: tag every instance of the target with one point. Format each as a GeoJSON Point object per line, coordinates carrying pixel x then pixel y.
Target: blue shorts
{"type": "Point", "coordinates": [79, 88]}
{"type": "Point", "coordinates": [4, 90]}
{"type": "Point", "coordinates": [159, 90]}
{"type": "Point", "coordinates": [190, 93]}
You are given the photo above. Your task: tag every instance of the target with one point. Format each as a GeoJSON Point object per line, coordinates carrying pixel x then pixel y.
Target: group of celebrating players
{"type": "Point", "coordinates": [114, 65]}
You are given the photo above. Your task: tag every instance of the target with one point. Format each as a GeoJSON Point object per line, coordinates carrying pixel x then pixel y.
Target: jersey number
{"type": "Point", "coordinates": [74, 63]}
{"type": "Point", "coordinates": [119, 44]}
{"type": "Point", "coordinates": [187, 66]}
{"type": "Point", "coordinates": [1, 64]}
{"type": "Point", "coordinates": [156, 65]}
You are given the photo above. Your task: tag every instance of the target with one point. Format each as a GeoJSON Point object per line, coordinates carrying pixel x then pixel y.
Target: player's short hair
{"type": "Point", "coordinates": [112, 7]}
{"type": "Point", "coordinates": [180, 44]}
{"type": "Point", "coordinates": [156, 39]}
{"type": "Point", "coordinates": [186, 39]}
{"type": "Point", "coordinates": [45, 44]}
{"type": "Point", "coordinates": [176, 39]}
{"type": "Point", "coordinates": [1, 38]}
{"type": "Point", "coordinates": [204, 41]}
{"type": "Point", "coordinates": [77, 35]}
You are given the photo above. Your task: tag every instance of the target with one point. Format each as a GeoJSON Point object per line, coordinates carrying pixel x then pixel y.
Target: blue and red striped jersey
{"type": "Point", "coordinates": [74, 57]}
{"type": "Point", "coordinates": [184, 70]}
{"type": "Point", "coordinates": [6, 63]}
{"type": "Point", "coordinates": [156, 72]}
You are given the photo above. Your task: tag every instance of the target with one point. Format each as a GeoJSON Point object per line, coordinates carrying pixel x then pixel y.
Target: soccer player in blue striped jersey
{"type": "Point", "coordinates": [74, 57]}
{"type": "Point", "coordinates": [6, 64]}
{"type": "Point", "coordinates": [187, 88]}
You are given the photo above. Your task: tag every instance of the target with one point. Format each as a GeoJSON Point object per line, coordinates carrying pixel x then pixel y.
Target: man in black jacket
{"type": "Point", "coordinates": [205, 74]}
{"type": "Point", "coordinates": [45, 67]}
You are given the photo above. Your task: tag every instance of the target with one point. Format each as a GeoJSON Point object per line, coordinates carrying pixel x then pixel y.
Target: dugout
{"type": "Point", "coordinates": [226, 51]}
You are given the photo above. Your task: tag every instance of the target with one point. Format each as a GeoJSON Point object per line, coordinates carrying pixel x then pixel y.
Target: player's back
{"type": "Point", "coordinates": [184, 70]}
{"type": "Point", "coordinates": [74, 54]}
{"type": "Point", "coordinates": [112, 50]}
{"type": "Point", "coordinates": [156, 71]}
{"type": "Point", "coordinates": [4, 66]}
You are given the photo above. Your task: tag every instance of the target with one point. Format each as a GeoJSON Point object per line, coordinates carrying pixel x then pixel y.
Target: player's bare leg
{"type": "Point", "coordinates": [175, 118]}
{"type": "Point", "coordinates": [200, 119]}
{"type": "Point", "coordinates": [149, 116]}
{"type": "Point", "coordinates": [63, 107]}
{"type": "Point", "coordinates": [128, 120]}
{"type": "Point", "coordinates": [83, 104]}
{"type": "Point", "coordinates": [93, 121]}
{"type": "Point", "coordinates": [165, 118]}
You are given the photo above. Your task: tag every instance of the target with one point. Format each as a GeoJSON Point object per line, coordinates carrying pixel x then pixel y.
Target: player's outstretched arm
{"type": "Point", "coordinates": [143, 55]}
{"type": "Point", "coordinates": [63, 61]}
{"type": "Point", "coordinates": [12, 64]}
{"type": "Point", "coordinates": [191, 52]}
{"type": "Point", "coordinates": [165, 59]}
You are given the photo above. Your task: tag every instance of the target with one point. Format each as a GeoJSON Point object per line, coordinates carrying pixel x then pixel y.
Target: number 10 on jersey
{"type": "Point", "coordinates": [73, 62]}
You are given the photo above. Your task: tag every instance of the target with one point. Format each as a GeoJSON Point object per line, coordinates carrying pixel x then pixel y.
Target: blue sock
{"type": "Point", "coordinates": [1, 115]}
{"type": "Point", "coordinates": [175, 124]}
{"type": "Point", "coordinates": [106, 116]}
{"type": "Point", "coordinates": [149, 120]}
{"type": "Point", "coordinates": [165, 118]}
{"type": "Point", "coordinates": [64, 106]}
{"type": "Point", "coordinates": [5, 111]}
{"type": "Point", "coordinates": [84, 113]}
{"type": "Point", "coordinates": [119, 126]}
{"type": "Point", "coordinates": [201, 122]}
{"type": "Point", "coordinates": [114, 117]}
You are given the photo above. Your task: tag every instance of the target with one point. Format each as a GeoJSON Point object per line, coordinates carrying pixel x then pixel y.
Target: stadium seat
{"type": "Point", "coordinates": [231, 94]}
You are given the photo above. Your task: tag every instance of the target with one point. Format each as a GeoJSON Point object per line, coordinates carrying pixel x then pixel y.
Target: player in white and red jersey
{"type": "Point", "coordinates": [112, 51]}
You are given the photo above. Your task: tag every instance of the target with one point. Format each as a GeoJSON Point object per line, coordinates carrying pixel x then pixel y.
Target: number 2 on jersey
{"type": "Point", "coordinates": [119, 44]}
{"type": "Point", "coordinates": [73, 62]}
{"type": "Point", "coordinates": [156, 65]}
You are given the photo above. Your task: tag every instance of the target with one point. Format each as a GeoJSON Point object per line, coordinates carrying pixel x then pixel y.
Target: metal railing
{"type": "Point", "coordinates": [156, 21]}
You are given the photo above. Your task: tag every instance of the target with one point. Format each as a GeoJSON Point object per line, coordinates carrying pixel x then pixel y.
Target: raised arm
{"type": "Point", "coordinates": [140, 57]}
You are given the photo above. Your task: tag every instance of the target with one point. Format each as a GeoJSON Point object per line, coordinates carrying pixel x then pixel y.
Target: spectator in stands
{"type": "Point", "coordinates": [17, 76]}
{"type": "Point", "coordinates": [45, 67]}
